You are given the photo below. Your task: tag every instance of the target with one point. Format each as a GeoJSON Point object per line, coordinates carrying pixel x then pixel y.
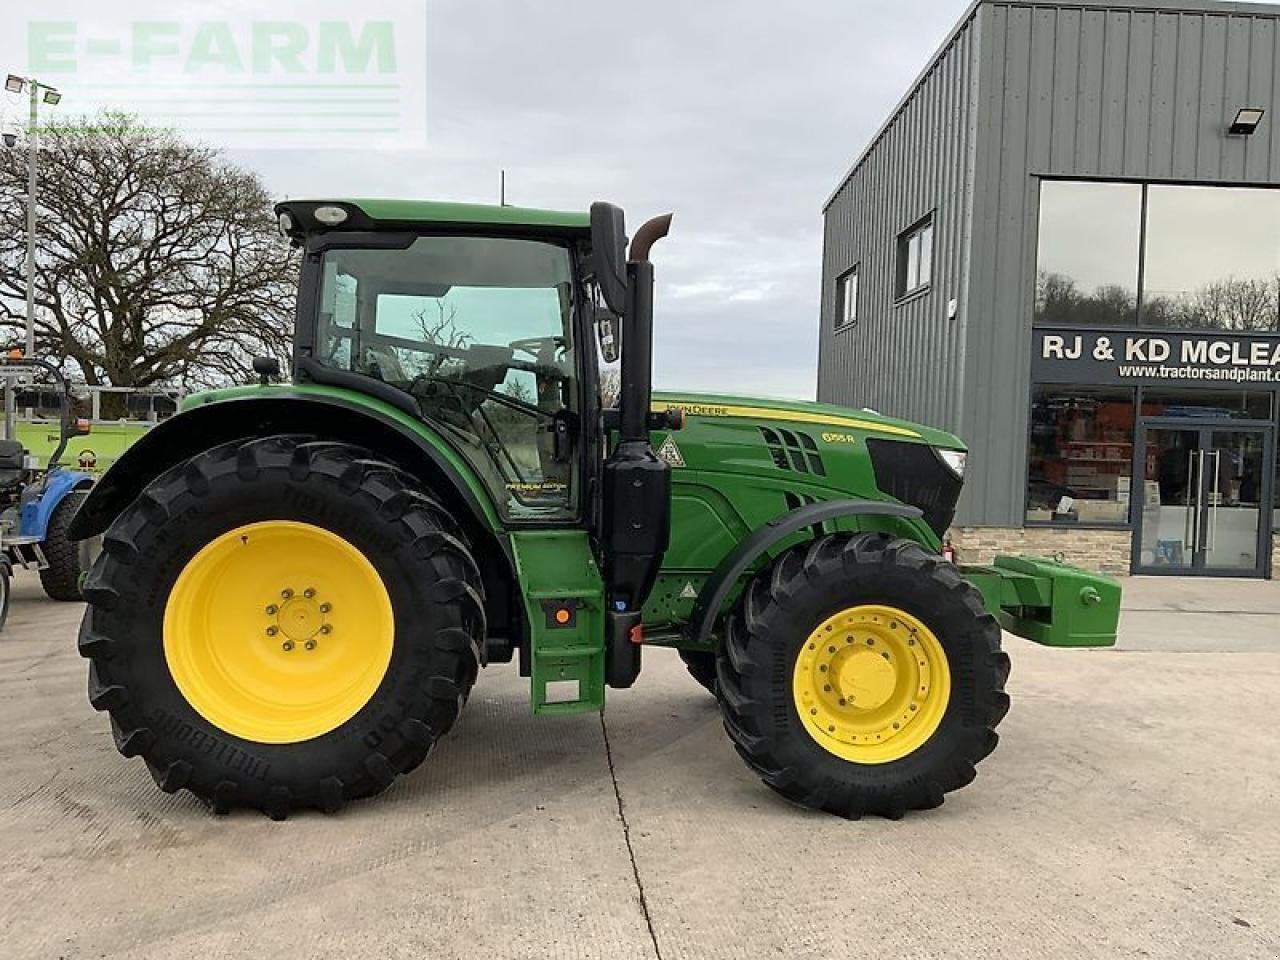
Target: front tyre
{"type": "Point", "coordinates": [862, 675]}
{"type": "Point", "coordinates": [282, 623]}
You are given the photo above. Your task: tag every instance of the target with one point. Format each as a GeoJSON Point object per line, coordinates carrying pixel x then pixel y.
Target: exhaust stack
{"type": "Point", "coordinates": [637, 485]}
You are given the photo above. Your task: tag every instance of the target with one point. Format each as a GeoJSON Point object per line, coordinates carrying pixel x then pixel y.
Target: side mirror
{"type": "Point", "coordinates": [609, 254]}
{"type": "Point", "coordinates": [608, 334]}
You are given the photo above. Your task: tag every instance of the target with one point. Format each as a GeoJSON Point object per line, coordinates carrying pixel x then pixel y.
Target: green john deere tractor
{"type": "Point", "coordinates": [300, 582]}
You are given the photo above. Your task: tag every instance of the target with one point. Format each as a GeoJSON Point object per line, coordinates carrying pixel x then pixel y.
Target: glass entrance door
{"type": "Point", "coordinates": [1202, 505]}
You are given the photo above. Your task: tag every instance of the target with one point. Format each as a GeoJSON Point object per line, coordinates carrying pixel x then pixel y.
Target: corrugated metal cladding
{"type": "Point", "coordinates": [1119, 90]}
{"type": "Point", "coordinates": [904, 357]}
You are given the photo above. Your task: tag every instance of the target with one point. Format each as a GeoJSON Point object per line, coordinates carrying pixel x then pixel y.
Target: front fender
{"type": "Point", "coordinates": [706, 610]}
{"type": "Point", "coordinates": [366, 422]}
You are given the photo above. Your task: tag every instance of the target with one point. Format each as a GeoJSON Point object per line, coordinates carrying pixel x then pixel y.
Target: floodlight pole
{"type": "Point", "coordinates": [33, 146]}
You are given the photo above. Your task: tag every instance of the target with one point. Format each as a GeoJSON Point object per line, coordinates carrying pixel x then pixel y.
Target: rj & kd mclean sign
{"type": "Point", "coordinates": [1072, 355]}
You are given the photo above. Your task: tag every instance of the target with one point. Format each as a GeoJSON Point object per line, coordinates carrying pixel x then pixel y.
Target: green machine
{"type": "Point", "coordinates": [300, 583]}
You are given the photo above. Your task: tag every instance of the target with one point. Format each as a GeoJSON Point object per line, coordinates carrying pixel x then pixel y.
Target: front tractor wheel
{"type": "Point", "coordinates": [862, 676]}
{"type": "Point", "coordinates": [282, 623]}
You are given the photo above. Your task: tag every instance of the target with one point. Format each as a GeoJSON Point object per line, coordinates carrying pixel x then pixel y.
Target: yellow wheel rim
{"type": "Point", "coordinates": [871, 684]}
{"type": "Point", "coordinates": [278, 632]}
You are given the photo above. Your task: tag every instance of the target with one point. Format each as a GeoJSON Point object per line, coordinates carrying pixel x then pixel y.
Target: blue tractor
{"type": "Point", "coordinates": [38, 502]}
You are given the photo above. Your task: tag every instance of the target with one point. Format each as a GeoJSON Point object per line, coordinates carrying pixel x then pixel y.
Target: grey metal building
{"type": "Point", "coordinates": [1064, 245]}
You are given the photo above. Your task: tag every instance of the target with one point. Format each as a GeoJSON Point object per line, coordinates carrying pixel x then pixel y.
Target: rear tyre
{"type": "Point", "coordinates": [282, 623]}
{"type": "Point", "coordinates": [861, 675]}
{"type": "Point", "coordinates": [702, 667]}
{"type": "Point", "coordinates": [61, 579]}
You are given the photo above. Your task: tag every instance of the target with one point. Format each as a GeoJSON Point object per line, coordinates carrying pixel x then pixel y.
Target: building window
{"type": "Point", "coordinates": [1087, 254]}
{"type": "Point", "coordinates": [1211, 404]}
{"type": "Point", "coordinates": [1212, 258]}
{"type": "Point", "coordinates": [1080, 456]}
{"type": "Point", "coordinates": [915, 258]}
{"type": "Point", "coordinates": [847, 298]}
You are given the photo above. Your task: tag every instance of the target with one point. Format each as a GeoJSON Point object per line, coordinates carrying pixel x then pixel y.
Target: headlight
{"type": "Point", "coordinates": [954, 459]}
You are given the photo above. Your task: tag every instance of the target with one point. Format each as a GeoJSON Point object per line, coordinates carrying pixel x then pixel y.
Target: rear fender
{"type": "Point", "coordinates": [365, 424]}
{"type": "Point", "coordinates": [40, 499]}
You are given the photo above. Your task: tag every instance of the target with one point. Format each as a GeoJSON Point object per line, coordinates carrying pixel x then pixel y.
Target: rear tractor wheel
{"type": "Point", "coordinates": [861, 675]}
{"type": "Point", "coordinates": [282, 623]}
{"type": "Point", "coordinates": [61, 578]}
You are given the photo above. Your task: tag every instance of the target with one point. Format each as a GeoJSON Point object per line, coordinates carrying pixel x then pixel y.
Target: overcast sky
{"type": "Point", "coordinates": [739, 115]}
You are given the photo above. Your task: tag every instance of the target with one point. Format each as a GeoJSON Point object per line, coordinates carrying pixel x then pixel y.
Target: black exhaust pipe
{"type": "Point", "coordinates": [637, 485]}
{"type": "Point", "coordinates": [637, 332]}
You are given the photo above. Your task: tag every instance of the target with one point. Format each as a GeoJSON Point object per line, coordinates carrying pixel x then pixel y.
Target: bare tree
{"type": "Point", "coordinates": [1233, 303]}
{"type": "Point", "coordinates": [440, 330]}
{"type": "Point", "coordinates": [157, 261]}
{"type": "Point", "coordinates": [610, 386]}
{"type": "Point", "coordinates": [1058, 300]}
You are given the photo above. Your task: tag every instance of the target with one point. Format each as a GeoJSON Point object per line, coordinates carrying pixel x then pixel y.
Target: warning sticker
{"type": "Point", "coordinates": [688, 593]}
{"type": "Point", "coordinates": [670, 453]}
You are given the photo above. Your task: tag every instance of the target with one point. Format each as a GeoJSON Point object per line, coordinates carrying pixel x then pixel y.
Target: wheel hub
{"type": "Point", "coordinates": [871, 683]}
{"type": "Point", "coordinates": [301, 618]}
{"type": "Point", "coordinates": [866, 679]}
{"type": "Point", "coordinates": [247, 631]}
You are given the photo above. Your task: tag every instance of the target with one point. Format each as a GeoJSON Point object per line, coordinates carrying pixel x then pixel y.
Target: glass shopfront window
{"type": "Point", "coordinates": [1087, 261]}
{"type": "Point", "coordinates": [1209, 405]}
{"type": "Point", "coordinates": [1212, 258]}
{"type": "Point", "coordinates": [1081, 455]}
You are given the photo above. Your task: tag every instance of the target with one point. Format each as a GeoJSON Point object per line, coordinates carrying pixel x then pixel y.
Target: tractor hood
{"type": "Point", "coordinates": [819, 415]}
{"type": "Point", "coordinates": [787, 452]}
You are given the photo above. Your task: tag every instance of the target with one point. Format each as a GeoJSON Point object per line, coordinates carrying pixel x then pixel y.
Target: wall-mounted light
{"type": "Point", "coordinates": [14, 83]}
{"type": "Point", "coordinates": [1246, 121]}
{"type": "Point", "coordinates": [52, 97]}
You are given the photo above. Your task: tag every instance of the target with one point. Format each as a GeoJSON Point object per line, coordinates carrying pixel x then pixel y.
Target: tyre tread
{"type": "Point", "coordinates": [390, 491]}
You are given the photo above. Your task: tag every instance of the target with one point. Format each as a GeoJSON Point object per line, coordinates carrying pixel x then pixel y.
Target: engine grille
{"type": "Point", "coordinates": [914, 474]}
{"type": "Point", "coordinates": [793, 450]}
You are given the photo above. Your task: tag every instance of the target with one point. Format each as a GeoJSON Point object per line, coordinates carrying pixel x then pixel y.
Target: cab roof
{"type": "Point", "coordinates": [388, 214]}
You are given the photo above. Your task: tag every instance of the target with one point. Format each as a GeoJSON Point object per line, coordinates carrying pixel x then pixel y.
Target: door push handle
{"type": "Point", "coordinates": [1190, 527]}
{"type": "Point", "coordinates": [1213, 500]}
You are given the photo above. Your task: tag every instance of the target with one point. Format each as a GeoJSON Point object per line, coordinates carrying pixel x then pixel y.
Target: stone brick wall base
{"type": "Point", "coordinates": [1107, 551]}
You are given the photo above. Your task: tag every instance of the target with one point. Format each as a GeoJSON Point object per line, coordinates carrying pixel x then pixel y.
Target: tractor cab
{"type": "Point", "coordinates": [482, 334]}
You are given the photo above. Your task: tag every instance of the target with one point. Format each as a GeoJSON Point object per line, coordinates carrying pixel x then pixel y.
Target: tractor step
{"type": "Point", "coordinates": [564, 607]}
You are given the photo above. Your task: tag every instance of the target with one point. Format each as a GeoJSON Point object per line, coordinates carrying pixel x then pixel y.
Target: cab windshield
{"type": "Point", "coordinates": [479, 332]}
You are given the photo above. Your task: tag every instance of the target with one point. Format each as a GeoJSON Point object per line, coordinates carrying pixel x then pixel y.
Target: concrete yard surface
{"type": "Point", "coordinates": [1132, 809]}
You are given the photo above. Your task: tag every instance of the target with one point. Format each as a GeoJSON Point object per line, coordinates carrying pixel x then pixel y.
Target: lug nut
{"type": "Point", "coordinates": [271, 631]}
{"type": "Point", "coordinates": [326, 607]}
{"type": "Point", "coordinates": [309, 592]}
{"type": "Point", "coordinates": [287, 646]}
{"type": "Point", "coordinates": [325, 628]}
{"type": "Point", "coordinates": [272, 610]}
{"type": "Point", "coordinates": [310, 644]}
{"type": "Point", "coordinates": [286, 593]}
